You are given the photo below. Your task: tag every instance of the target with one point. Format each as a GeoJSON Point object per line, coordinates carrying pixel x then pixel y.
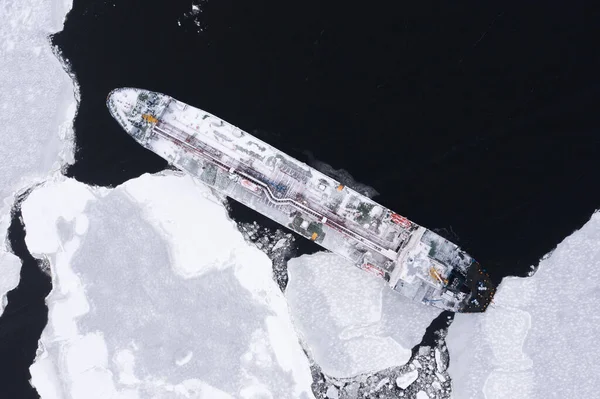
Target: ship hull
{"type": "Point", "coordinates": [413, 260]}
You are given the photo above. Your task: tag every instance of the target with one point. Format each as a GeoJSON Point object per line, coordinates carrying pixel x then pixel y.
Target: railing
{"type": "Point", "coordinates": [180, 138]}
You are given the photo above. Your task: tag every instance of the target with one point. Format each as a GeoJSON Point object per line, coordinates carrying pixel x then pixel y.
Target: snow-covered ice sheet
{"type": "Point", "coordinates": [352, 322]}
{"type": "Point", "coordinates": [136, 313]}
{"type": "Point", "coordinates": [540, 338]}
{"type": "Point", "coordinates": [37, 105]}
{"type": "Point", "coordinates": [10, 268]}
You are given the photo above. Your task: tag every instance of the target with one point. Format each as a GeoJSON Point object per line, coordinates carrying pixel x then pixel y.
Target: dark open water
{"type": "Point", "coordinates": [24, 317]}
{"type": "Point", "coordinates": [479, 119]}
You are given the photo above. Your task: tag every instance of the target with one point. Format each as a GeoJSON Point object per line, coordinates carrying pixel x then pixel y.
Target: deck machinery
{"type": "Point", "coordinates": [413, 260]}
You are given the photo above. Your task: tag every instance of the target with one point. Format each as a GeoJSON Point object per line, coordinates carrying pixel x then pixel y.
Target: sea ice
{"type": "Point", "coordinates": [135, 313]}
{"type": "Point", "coordinates": [351, 321]}
{"type": "Point", "coordinates": [539, 338]}
{"type": "Point", "coordinates": [10, 267]}
{"type": "Point", "coordinates": [405, 380]}
{"type": "Point", "coordinates": [37, 105]}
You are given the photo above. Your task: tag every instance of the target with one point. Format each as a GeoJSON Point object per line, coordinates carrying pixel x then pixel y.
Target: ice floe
{"type": "Point", "coordinates": [10, 267]}
{"type": "Point", "coordinates": [37, 104]}
{"type": "Point", "coordinates": [352, 322]}
{"type": "Point", "coordinates": [134, 313]}
{"type": "Point", "coordinates": [405, 380]}
{"type": "Point", "coordinates": [539, 338]}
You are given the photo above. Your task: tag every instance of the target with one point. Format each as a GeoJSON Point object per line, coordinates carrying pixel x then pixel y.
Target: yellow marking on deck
{"type": "Point", "coordinates": [434, 273]}
{"type": "Point", "coordinates": [149, 118]}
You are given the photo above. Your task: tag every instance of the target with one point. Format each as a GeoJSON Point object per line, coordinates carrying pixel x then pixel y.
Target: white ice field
{"type": "Point", "coordinates": [156, 294]}
{"type": "Point", "coordinates": [540, 339]}
{"type": "Point", "coordinates": [352, 321]}
{"type": "Point", "coordinates": [37, 105]}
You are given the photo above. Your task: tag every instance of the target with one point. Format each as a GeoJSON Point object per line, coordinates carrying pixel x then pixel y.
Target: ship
{"type": "Point", "coordinates": [413, 260]}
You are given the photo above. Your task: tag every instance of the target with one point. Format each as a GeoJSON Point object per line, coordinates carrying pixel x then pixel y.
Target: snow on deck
{"type": "Point", "coordinates": [156, 294]}
{"type": "Point", "coordinates": [539, 339]}
{"type": "Point", "coordinates": [320, 190]}
{"type": "Point", "coordinates": [351, 321]}
{"type": "Point", "coordinates": [37, 107]}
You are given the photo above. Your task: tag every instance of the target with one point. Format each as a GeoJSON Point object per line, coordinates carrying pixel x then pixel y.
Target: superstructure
{"type": "Point", "coordinates": [413, 260]}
